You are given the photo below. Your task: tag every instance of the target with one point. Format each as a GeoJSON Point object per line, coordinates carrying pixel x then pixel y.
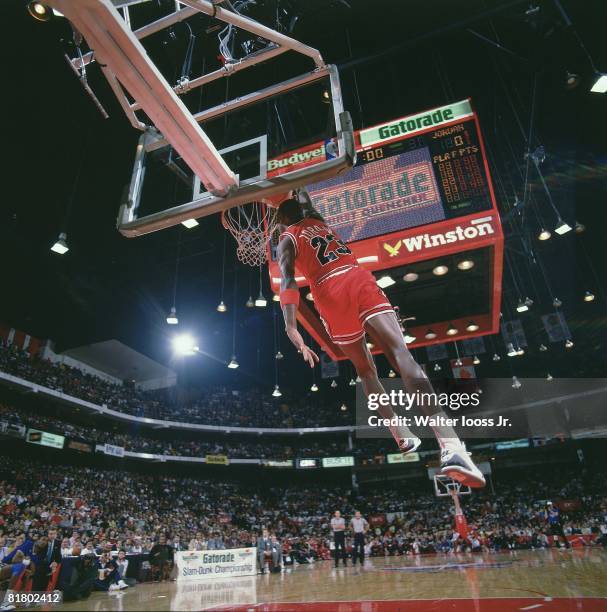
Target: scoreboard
{"type": "Point", "coordinates": [409, 172]}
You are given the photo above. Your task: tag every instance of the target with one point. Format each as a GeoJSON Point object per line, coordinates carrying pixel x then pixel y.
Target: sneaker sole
{"type": "Point", "coordinates": [465, 477]}
{"type": "Point", "coordinates": [417, 444]}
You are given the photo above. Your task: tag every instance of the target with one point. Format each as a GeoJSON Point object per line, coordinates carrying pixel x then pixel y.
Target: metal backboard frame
{"type": "Point", "coordinates": [447, 487]}
{"type": "Point", "coordinates": [127, 67]}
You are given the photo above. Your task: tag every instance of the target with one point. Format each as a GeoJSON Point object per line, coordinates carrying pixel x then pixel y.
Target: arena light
{"type": "Point", "coordinates": [557, 303]}
{"type": "Point", "coordinates": [261, 301]}
{"type": "Point", "coordinates": [511, 351]}
{"type": "Point", "coordinates": [352, 382]}
{"type": "Point", "coordinates": [410, 277]}
{"type": "Point", "coordinates": [370, 346]}
{"type": "Point", "coordinates": [343, 408]}
{"type": "Point", "coordinates": [520, 352]}
{"type": "Point", "coordinates": [39, 11]}
{"type": "Point", "coordinates": [409, 339]}
{"type": "Point", "coordinates": [279, 356]}
{"type": "Point", "coordinates": [314, 388]}
{"type": "Point", "coordinates": [466, 264]}
{"type": "Point", "coordinates": [333, 384]}
{"type": "Point", "coordinates": [562, 227]}
{"type": "Point", "coordinates": [437, 367]}
{"type": "Point", "coordinates": [250, 303]}
{"type": "Point", "coordinates": [392, 374]}
{"type": "Point", "coordinates": [600, 83]}
{"type": "Point", "coordinates": [385, 281]}
{"type": "Point", "coordinates": [440, 270]}
{"type": "Point", "coordinates": [190, 223]}
{"type": "Point", "coordinates": [569, 343]}
{"type": "Point", "coordinates": [516, 383]}
{"type": "Point", "coordinates": [172, 317]}
{"type": "Point", "coordinates": [276, 297]}
{"type": "Point", "coordinates": [588, 296]}
{"type": "Point", "coordinates": [496, 357]}
{"type": "Point", "coordinates": [476, 360]}
{"type": "Point", "coordinates": [221, 307]}
{"type": "Point", "coordinates": [549, 377]}
{"type": "Point", "coordinates": [233, 365]}
{"type": "Point", "coordinates": [184, 345]}
{"type": "Point", "coordinates": [522, 306]}
{"type": "Point", "coordinates": [544, 234]}
{"type": "Point", "coordinates": [60, 247]}
{"type": "Point", "coordinates": [472, 326]}
{"type": "Point", "coordinates": [276, 392]}
{"type": "Point", "coordinates": [452, 330]}
{"type": "Point", "coordinates": [580, 228]}
{"type": "Point", "coordinates": [458, 363]}
{"type": "Point", "coordinates": [309, 297]}
{"type": "Point", "coordinates": [543, 348]}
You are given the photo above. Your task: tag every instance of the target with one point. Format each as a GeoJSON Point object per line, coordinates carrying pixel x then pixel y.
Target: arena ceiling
{"type": "Point", "coordinates": [396, 58]}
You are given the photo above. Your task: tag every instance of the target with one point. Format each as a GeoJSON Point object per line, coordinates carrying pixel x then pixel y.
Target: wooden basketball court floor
{"type": "Point", "coordinates": [542, 581]}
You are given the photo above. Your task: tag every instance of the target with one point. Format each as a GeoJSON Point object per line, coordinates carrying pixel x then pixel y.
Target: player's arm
{"type": "Point", "coordinates": [289, 299]}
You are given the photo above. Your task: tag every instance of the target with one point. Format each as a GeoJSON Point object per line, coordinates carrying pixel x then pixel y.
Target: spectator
{"type": "Point", "coordinates": [161, 558]}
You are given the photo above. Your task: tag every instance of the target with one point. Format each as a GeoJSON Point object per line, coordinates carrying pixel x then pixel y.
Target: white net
{"type": "Point", "coordinates": [252, 226]}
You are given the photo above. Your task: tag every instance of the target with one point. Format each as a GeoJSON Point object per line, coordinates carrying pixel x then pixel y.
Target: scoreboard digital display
{"type": "Point", "coordinates": [409, 172]}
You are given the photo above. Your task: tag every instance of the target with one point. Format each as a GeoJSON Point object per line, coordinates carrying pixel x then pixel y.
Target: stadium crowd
{"type": "Point", "coordinates": [216, 406]}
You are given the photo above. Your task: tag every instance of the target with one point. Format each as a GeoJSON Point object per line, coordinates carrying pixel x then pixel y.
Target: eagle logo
{"type": "Point", "coordinates": [393, 250]}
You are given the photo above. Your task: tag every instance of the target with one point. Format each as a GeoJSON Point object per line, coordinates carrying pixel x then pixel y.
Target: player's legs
{"type": "Point", "coordinates": [384, 327]}
{"type": "Point", "coordinates": [360, 356]}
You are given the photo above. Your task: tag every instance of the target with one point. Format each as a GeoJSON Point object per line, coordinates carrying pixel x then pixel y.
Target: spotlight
{"type": "Point", "coordinates": [333, 384]}
{"type": "Point", "coordinates": [511, 351]}
{"type": "Point", "coordinates": [476, 360]}
{"type": "Point", "coordinates": [343, 408]}
{"type": "Point", "coordinates": [250, 303]}
{"type": "Point", "coordinates": [452, 330]}
{"type": "Point", "coordinates": [261, 301]}
{"type": "Point", "coordinates": [385, 281]}
{"type": "Point", "coordinates": [359, 379]}
{"type": "Point", "coordinates": [440, 270]}
{"type": "Point", "coordinates": [314, 387]}
{"type": "Point", "coordinates": [466, 264]}
{"type": "Point", "coordinates": [562, 227]}
{"type": "Point", "coordinates": [233, 365]}
{"type": "Point", "coordinates": [528, 302]}
{"type": "Point", "coordinates": [496, 357]}
{"type": "Point", "coordinates": [430, 335]}
{"type": "Point", "coordinates": [326, 96]}
{"type": "Point", "coordinates": [221, 307]}
{"type": "Point", "coordinates": [549, 377]}
{"type": "Point", "coordinates": [588, 296]}
{"type": "Point", "coordinates": [572, 80]}
{"type": "Point", "coordinates": [276, 392]}
{"type": "Point", "coordinates": [392, 374]}
{"type": "Point", "coordinates": [184, 345]}
{"type": "Point", "coordinates": [410, 339]}
{"type": "Point", "coordinates": [557, 303]}
{"type": "Point", "coordinates": [279, 356]}
{"type": "Point", "coordinates": [458, 363]}
{"type": "Point", "coordinates": [309, 296]}
{"type": "Point", "coordinates": [599, 85]}
{"type": "Point", "coordinates": [410, 277]}
{"type": "Point", "coordinates": [520, 352]}
{"type": "Point", "coordinates": [569, 343]}
{"type": "Point", "coordinates": [516, 383]}
{"type": "Point", "coordinates": [352, 382]}
{"type": "Point", "coordinates": [39, 11]}
{"type": "Point", "coordinates": [580, 228]}
{"type": "Point", "coordinates": [370, 346]}
{"type": "Point", "coordinates": [190, 223]}
{"type": "Point", "coordinates": [172, 317]}
{"type": "Point", "coordinates": [543, 348]}
{"type": "Point", "coordinates": [276, 297]}
{"type": "Point", "coordinates": [544, 234]}
{"type": "Point", "coordinates": [437, 367]}
{"type": "Point", "coordinates": [472, 327]}
{"type": "Point", "coordinates": [522, 306]}
{"type": "Point", "coordinates": [60, 247]}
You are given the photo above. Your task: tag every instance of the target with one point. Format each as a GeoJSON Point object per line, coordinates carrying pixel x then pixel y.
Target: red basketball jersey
{"type": "Point", "coordinates": [319, 252]}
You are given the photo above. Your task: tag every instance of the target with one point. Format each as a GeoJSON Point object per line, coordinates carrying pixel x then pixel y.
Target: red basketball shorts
{"type": "Point", "coordinates": [347, 301]}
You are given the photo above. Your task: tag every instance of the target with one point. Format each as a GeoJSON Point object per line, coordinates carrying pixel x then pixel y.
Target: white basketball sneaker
{"type": "Point", "coordinates": [408, 445]}
{"type": "Point", "coordinates": [456, 464]}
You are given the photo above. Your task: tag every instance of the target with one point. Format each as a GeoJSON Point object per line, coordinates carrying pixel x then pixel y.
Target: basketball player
{"type": "Point", "coordinates": [351, 304]}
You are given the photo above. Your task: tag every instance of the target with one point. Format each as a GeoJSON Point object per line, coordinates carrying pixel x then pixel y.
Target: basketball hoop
{"type": "Point", "coordinates": [252, 225]}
